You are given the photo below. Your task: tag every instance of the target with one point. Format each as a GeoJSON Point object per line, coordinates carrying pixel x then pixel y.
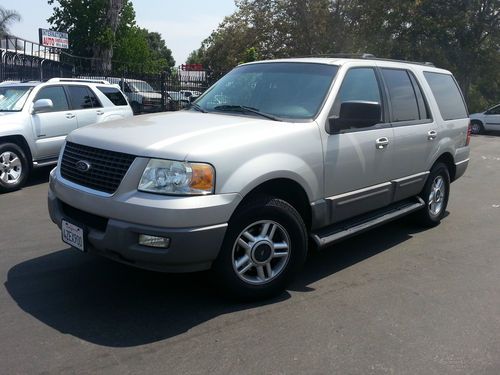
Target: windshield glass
{"type": "Point", "coordinates": [12, 98]}
{"type": "Point", "coordinates": [141, 86]}
{"type": "Point", "coordinates": [284, 90]}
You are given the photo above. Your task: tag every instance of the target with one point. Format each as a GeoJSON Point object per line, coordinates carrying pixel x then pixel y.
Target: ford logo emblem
{"type": "Point", "coordinates": [82, 165]}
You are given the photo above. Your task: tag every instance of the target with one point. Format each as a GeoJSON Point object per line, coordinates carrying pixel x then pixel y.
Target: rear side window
{"type": "Point", "coordinates": [113, 94]}
{"type": "Point", "coordinates": [404, 102]}
{"type": "Point", "coordinates": [83, 98]}
{"type": "Point", "coordinates": [448, 96]}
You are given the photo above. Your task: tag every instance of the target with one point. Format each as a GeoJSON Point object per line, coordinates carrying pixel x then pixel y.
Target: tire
{"type": "Point", "coordinates": [435, 195]}
{"type": "Point", "coordinates": [266, 242]}
{"type": "Point", "coordinates": [14, 167]}
{"type": "Point", "coordinates": [476, 127]}
{"type": "Point", "coordinates": [136, 108]}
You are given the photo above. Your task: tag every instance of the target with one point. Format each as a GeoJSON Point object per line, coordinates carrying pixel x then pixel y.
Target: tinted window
{"type": "Point", "coordinates": [403, 99]}
{"type": "Point", "coordinates": [422, 104]}
{"type": "Point", "coordinates": [359, 84]}
{"type": "Point", "coordinates": [113, 94]}
{"type": "Point", "coordinates": [447, 94]}
{"type": "Point", "coordinates": [82, 97]}
{"type": "Point", "coordinates": [57, 95]}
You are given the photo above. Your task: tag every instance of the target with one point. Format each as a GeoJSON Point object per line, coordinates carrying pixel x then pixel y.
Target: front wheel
{"type": "Point", "coordinates": [435, 195]}
{"type": "Point", "coordinates": [264, 247]}
{"type": "Point", "coordinates": [14, 167]}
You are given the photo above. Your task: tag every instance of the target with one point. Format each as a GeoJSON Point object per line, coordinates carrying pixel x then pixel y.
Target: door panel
{"type": "Point", "coordinates": [51, 128]}
{"type": "Point", "coordinates": [87, 107]}
{"type": "Point", "coordinates": [357, 169]}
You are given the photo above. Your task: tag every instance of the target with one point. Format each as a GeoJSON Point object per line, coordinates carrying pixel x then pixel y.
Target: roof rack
{"type": "Point", "coordinates": [101, 81]}
{"type": "Point", "coordinates": [368, 56]}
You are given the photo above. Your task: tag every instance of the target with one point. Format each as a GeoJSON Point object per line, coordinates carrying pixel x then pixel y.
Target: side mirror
{"type": "Point", "coordinates": [355, 114]}
{"type": "Point", "coordinates": [42, 105]}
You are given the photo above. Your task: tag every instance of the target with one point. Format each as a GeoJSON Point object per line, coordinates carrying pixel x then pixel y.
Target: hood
{"type": "Point", "coordinates": [148, 94]}
{"type": "Point", "coordinates": [180, 135]}
{"type": "Point", "coordinates": [476, 115]}
{"type": "Point", "coordinates": [10, 115]}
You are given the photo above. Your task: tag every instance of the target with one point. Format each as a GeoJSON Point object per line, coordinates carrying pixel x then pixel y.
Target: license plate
{"type": "Point", "coordinates": [73, 235]}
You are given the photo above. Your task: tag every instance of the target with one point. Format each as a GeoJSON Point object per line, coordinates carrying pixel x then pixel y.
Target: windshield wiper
{"type": "Point", "coordinates": [197, 107]}
{"type": "Point", "coordinates": [244, 108]}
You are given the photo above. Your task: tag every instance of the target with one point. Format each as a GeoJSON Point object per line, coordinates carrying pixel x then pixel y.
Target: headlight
{"type": "Point", "coordinates": [179, 178]}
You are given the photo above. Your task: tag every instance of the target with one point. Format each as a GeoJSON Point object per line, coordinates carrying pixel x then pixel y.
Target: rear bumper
{"type": "Point", "coordinates": [460, 168]}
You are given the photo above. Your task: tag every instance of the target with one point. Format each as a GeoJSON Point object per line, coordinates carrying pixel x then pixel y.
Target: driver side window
{"type": "Point", "coordinates": [494, 111]}
{"type": "Point", "coordinates": [57, 95]}
{"type": "Point", "coordinates": [360, 84]}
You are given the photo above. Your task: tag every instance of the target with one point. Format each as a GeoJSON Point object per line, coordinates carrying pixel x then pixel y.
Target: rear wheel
{"type": "Point", "coordinates": [476, 127]}
{"type": "Point", "coordinates": [435, 195]}
{"type": "Point", "coordinates": [264, 247]}
{"type": "Point", "coordinates": [14, 168]}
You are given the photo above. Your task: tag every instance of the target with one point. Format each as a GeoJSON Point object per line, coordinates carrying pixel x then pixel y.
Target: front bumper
{"type": "Point", "coordinates": [113, 225]}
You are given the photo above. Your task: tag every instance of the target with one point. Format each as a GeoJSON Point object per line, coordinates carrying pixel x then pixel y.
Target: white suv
{"type": "Point", "coordinates": [35, 118]}
{"type": "Point", "coordinates": [487, 120]}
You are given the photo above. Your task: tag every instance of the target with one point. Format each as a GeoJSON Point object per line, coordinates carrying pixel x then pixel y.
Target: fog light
{"type": "Point", "coordinates": [154, 241]}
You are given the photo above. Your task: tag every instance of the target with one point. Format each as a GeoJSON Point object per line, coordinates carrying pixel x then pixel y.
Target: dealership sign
{"type": "Point", "coordinates": [56, 39]}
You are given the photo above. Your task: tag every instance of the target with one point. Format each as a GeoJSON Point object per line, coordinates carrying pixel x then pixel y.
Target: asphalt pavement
{"type": "Point", "coordinates": [396, 300]}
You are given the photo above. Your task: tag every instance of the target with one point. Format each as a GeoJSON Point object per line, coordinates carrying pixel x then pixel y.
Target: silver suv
{"type": "Point", "coordinates": [35, 118]}
{"type": "Point", "coordinates": [274, 154]}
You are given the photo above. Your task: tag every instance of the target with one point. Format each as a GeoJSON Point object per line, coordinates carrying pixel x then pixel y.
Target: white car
{"type": "Point", "coordinates": [35, 118]}
{"type": "Point", "coordinates": [487, 120]}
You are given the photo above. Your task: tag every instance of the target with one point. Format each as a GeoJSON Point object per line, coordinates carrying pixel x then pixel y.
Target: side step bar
{"type": "Point", "coordinates": [351, 227]}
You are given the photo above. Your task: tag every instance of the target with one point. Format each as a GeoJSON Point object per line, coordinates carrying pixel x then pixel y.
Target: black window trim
{"type": "Point", "coordinates": [383, 97]}
{"type": "Point", "coordinates": [411, 75]}
{"type": "Point", "coordinates": [65, 94]}
{"type": "Point", "coordinates": [70, 101]}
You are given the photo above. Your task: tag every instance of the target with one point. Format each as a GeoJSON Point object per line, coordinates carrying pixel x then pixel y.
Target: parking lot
{"type": "Point", "coordinates": [395, 300]}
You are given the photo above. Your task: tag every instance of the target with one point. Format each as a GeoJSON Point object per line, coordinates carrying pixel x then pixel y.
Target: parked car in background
{"type": "Point", "coordinates": [274, 155]}
{"type": "Point", "coordinates": [487, 120]}
{"type": "Point", "coordinates": [178, 100]}
{"type": "Point", "coordinates": [191, 95]}
{"type": "Point", "coordinates": [142, 96]}
{"type": "Point", "coordinates": [35, 118]}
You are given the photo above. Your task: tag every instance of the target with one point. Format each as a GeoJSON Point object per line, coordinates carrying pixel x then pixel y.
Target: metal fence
{"type": "Point", "coordinates": [168, 90]}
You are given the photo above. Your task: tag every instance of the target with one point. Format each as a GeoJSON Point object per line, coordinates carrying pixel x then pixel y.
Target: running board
{"type": "Point", "coordinates": [351, 227]}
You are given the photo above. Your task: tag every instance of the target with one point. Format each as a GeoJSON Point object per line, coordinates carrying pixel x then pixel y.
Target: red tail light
{"type": "Point", "coordinates": [467, 141]}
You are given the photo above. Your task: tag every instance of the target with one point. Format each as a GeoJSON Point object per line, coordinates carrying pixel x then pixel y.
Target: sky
{"type": "Point", "coordinates": [183, 24]}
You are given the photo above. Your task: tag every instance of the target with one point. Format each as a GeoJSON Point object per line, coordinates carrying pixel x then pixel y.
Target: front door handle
{"type": "Point", "coordinates": [70, 115]}
{"type": "Point", "coordinates": [99, 112]}
{"type": "Point", "coordinates": [381, 143]}
{"type": "Point", "coordinates": [431, 135]}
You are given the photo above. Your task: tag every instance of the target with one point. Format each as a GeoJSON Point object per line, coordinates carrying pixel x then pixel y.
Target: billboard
{"type": "Point", "coordinates": [56, 39]}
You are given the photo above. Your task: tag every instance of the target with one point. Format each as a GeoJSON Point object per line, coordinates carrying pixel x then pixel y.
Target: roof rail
{"type": "Point", "coordinates": [368, 56]}
{"type": "Point", "coordinates": [84, 80]}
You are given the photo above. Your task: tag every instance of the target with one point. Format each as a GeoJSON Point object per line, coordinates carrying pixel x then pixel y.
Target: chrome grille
{"type": "Point", "coordinates": [106, 171]}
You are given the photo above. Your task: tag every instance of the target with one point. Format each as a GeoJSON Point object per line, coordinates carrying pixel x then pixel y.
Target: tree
{"type": "Point", "coordinates": [6, 18]}
{"type": "Point", "coordinates": [92, 26]}
{"type": "Point", "coordinates": [159, 49]}
{"type": "Point", "coordinates": [460, 35]}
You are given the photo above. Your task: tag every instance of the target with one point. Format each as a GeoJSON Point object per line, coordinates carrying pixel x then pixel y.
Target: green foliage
{"type": "Point", "coordinates": [460, 35]}
{"type": "Point", "coordinates": [88, 25]}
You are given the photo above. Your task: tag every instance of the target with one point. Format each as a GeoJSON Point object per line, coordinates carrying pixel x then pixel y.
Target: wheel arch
{"type": "Point", "coordinates": [284, 188]}
{"type": "Point", "coordinates": [21, 142]}
{"type": "Point", "coordinates": [447, 159]}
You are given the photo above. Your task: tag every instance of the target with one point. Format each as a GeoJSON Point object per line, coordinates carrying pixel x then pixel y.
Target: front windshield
{"type": "Point", "coordinates": [141, 86]}
{"type": "Point", "coordinates": [12, 98]}
{"type": "Point", "coordinates": [284, 90]}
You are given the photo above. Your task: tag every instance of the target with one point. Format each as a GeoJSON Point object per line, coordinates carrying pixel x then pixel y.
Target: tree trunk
{"type": "Point", "coordinates": [103, 54]}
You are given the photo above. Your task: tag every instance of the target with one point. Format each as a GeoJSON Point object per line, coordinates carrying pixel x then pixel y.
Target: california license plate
{"type": "Point", "coordinates": [73, 235]}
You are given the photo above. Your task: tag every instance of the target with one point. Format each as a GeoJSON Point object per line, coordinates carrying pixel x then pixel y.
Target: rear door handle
{"type": "Point", "coordinates": [381, 143]}
{"type": "Point", "coordinates": [99, 112]}
{"type": "Point", "coordinates": [70, 115]}
{"type": "Point", "coordinates": [431, 135]}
